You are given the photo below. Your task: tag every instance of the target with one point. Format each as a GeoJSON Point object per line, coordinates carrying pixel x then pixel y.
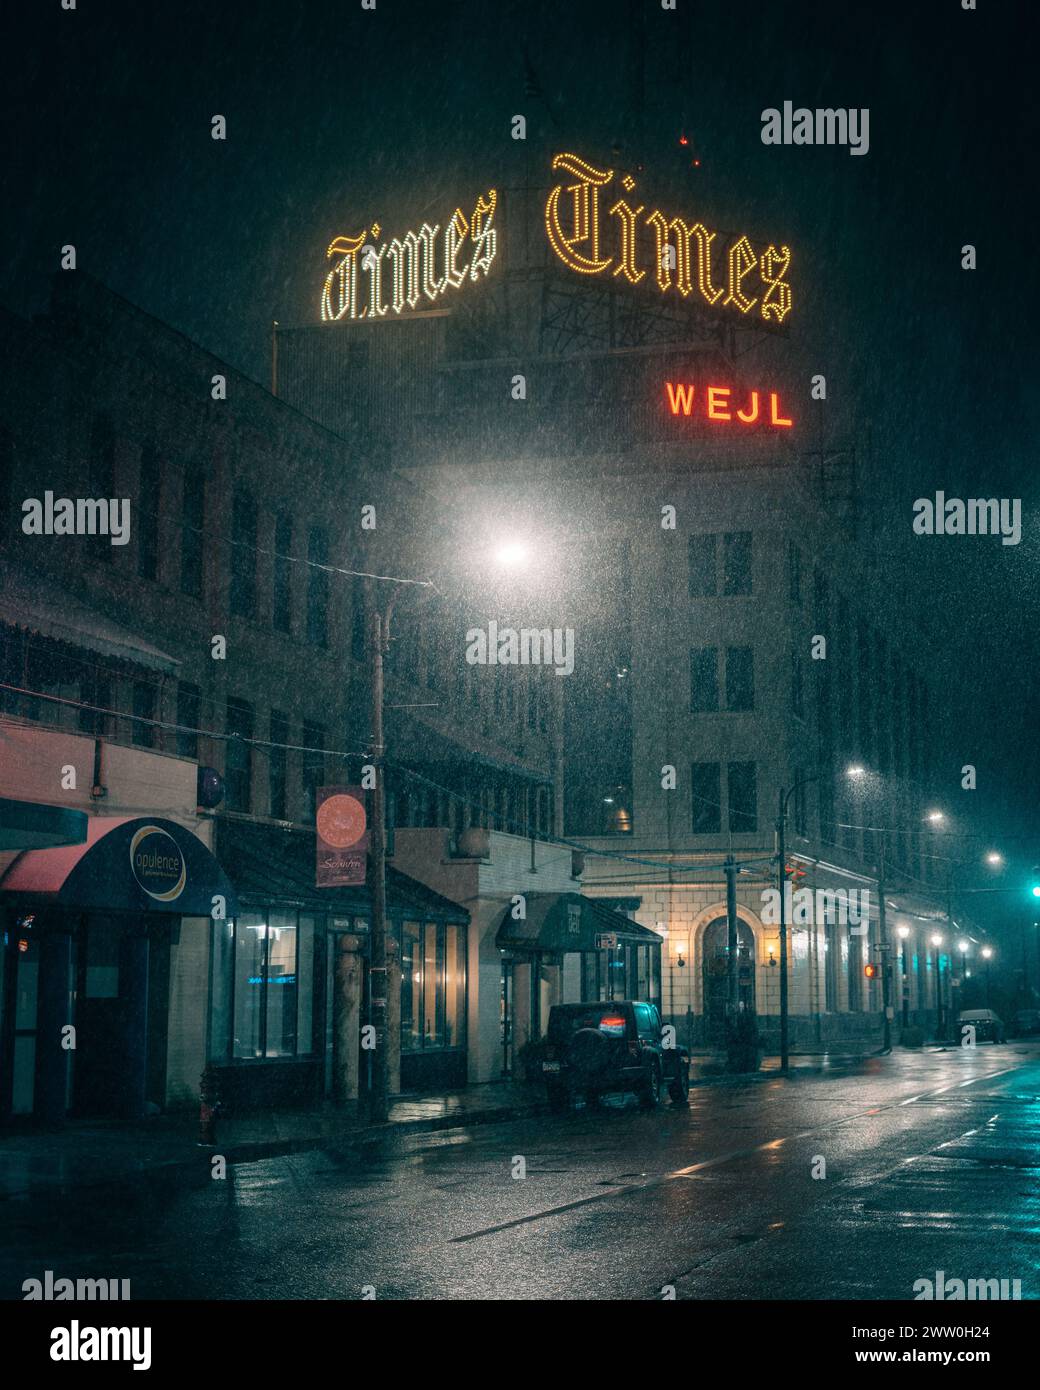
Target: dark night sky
{"type": "Point", "coordinates": [337, 115]}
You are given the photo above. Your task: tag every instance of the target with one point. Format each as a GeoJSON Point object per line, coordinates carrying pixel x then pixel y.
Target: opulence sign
{"type": "Point", "coordinates": [595, 225]}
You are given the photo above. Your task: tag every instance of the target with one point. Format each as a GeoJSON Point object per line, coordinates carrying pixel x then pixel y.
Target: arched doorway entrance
{"type": "Point", "coordinates": [715, 955]}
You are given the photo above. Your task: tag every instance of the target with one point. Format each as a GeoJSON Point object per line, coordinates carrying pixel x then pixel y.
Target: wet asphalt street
{"type": "Point", "coordinates": [932, 1163]}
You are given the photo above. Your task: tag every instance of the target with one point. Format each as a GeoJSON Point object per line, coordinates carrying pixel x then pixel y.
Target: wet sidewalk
{"type": "Point", "coordinates": [84, 1155]}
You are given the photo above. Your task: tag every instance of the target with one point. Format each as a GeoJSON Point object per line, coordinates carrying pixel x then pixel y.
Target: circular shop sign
{"type": "Point", "coordinates": [341, 821]}
{"type": "Point", "coordinates": [157, 864]}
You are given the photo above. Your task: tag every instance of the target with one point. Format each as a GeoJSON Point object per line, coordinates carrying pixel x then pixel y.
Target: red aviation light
{"type": "Point", "coordinates": [715, 403]}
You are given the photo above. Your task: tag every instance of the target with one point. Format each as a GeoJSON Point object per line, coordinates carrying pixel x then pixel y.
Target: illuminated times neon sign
{"type": "Point", "coordinates": [679, 252]}
{"type": "Point", "coordinates": [594, 228]}
{"type": "Point", "coordinates": [370, 279]}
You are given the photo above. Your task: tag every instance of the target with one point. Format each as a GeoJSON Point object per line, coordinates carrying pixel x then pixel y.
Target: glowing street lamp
{"type": "Point", "coordinates": [512, 555]}
{"type": "Point", "coordinates": [994, 858]}
{"type": "Point", "coordinates": [935, 817]}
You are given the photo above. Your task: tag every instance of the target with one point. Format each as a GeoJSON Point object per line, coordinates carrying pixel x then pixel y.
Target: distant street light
{"type": "Point", "coordinates": [512, 555]}
{"type": "Point", "coordinates": [936, 817]}
{"type": "Point", "coordinates": [994, 858]}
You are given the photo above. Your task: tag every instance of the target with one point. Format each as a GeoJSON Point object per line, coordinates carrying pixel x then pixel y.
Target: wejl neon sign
{"type": "Point", "coordinates": [716, 403]}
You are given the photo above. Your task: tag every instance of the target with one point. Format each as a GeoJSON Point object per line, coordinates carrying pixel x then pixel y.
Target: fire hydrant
{"type": "Point", "coordinates": [209, 1106]}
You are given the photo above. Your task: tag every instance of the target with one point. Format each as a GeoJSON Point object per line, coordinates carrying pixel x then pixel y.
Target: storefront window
{"type": "Point", "coordinates": [455, 987]}
{"type": "Point", "coordinates": [281, 985]}
{"type": "Point", "coordinates": [250, 930]}
{"type": "Point", "coordinates": [305, 983]}
{"type": "Point", "coordinates": [273, 980]}
{"type": "Point", "coordinates": [433, 986]}
{"type": "Point", "coordinates": [220, 986]}
{"type": "Point", "coordinates": [411, 986]}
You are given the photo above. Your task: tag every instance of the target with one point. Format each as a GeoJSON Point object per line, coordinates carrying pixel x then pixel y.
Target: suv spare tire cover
{"type": "Point", "coordinates": [589, 1051]}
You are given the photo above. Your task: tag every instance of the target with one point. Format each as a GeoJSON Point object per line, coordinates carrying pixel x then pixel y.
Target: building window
{"type": "Point", "coordinates": [736, 550]}
{"type": "Point", "coordinates": [706, 795]}
{"type": "Point", "coordinates": [318, 587]}
{"type": "Point", "coordinates": [743, 798]}
{"type": "Point", "coordinates": [702, 554]}
{"type": "Point", "coordinates": [830, 963]}
{"type": "Point", "coordinates": [187, 720]}
{"type": "Point", "coordinates": [794, 573]}
{"type": "Point", "coordinates": [101, 470]}
{"type": "Point", "coordinates": [144, 709]}
{"type": "Point", "coordinates": [272, 984]}
{"type": "Point", "coordinates": [281, 608]}
{"type": "Point", "coordinates": [797, 685]}
{"type": "Point", "coordinates": [278, 764]}
{"type": "Point", "coordinates": [799, 800]}
{"type": "Point", "coordinates": [193, 519]}
{"type": "Point", "coordinates": [95, 689]}
{"type": "Point", "coordinates": [238, 764]}
{"type": "Point", "coordinates": [433, 986]}
{"type": "Point", "coordinates": [855, 973]}
{"type": "Point", "coordinates": [149, 507]}
{"type": "Point", "coordinates": [740, 679]}
{"type": "Point", "coordinates": [820, 597]}
{"type": "Point", "coordinates": [704, 680]}
{"type": "Point", "coordinates": [313, 765]}
{"type": "Point", "coordinates": [243, 554]}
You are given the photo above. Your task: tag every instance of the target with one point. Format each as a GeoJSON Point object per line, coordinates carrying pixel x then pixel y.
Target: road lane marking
{"type": "Point", "coordinates": [622, 1189]}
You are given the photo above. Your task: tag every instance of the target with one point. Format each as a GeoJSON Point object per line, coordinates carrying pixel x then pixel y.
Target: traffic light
{"type": "Point", "coordinates": [870, 971]}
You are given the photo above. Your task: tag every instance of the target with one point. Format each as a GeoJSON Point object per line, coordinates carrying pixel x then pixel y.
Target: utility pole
{"type": "Point", "coordinates": [732, 941]}
{"type": "Point", "coordinates": [886, 974]}
{"type": "Point", "coordinates": [379, 1098]}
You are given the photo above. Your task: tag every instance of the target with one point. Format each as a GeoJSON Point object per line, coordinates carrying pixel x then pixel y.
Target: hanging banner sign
{"type": "Point", "coordinates": [342, 838]}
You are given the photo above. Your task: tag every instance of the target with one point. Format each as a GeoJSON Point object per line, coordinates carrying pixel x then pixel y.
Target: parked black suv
{"type": "Point", "coordinates": [591, 1049]}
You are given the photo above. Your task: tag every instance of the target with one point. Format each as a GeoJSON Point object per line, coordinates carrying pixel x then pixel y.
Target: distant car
{"type": "Point", "coordinates": [1026, 1023]}
{"type": "Point", "coordinates": [987, 1025]}
{"type": "Point", "coordinates": [595, 1048]}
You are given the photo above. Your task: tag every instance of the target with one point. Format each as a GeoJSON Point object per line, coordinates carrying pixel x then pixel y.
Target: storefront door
{"type": "Point", "coordinates": [506, 1017]}
{"type": "Point", "coordinates": [109, 1077]}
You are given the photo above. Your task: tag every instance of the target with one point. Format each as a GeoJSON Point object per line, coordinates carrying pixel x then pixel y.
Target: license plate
{"type": "Point", "coordinates": [550, 1066]}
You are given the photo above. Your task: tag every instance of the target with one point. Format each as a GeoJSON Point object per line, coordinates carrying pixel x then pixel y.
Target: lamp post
{"type": "Point", "coordinates": [904, 932]}
{"type": "Point", "coordinates": [940, 1012]}
{"type": "Point", "coordinates": [987, 956]}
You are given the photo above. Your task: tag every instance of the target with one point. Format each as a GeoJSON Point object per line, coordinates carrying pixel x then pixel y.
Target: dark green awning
{"type": "Point", "coordinates": [562, 922]}
{"type": "Point", "coordinates": [270, 865]}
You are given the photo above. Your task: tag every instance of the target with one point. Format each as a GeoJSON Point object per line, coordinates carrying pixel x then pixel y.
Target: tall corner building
{"type": "Point", "coordinates": [627, 395]}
